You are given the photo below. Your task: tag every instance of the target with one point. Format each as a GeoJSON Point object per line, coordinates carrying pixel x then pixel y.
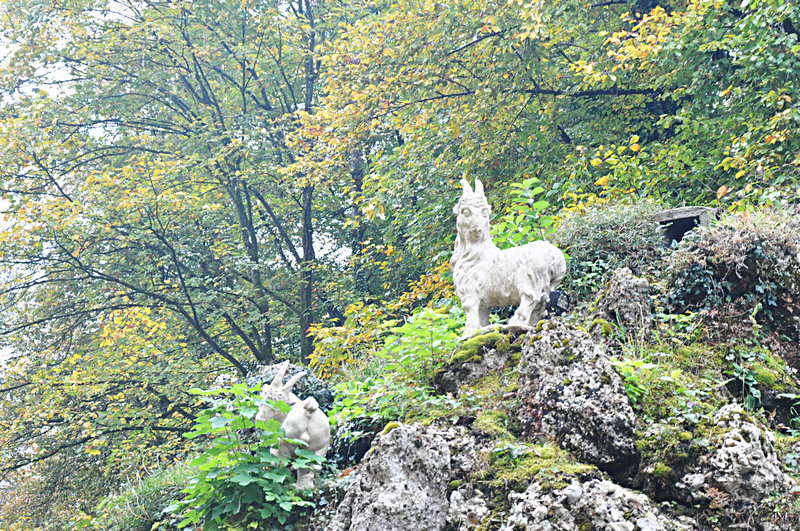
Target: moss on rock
{"type": "Point", "coordinates": [389, 427]}
{"type": "Point", "coordinates": [494, 424]}
{"type": "Point", "coordinates": [470, 350]}
{"type": "Point", "coordinates": [546, 463]}
{"type": "Point", "coordinates": [606, 328]}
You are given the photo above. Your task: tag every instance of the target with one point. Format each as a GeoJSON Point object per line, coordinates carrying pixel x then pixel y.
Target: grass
{"type": "Point", "coordinates": [139, 506]}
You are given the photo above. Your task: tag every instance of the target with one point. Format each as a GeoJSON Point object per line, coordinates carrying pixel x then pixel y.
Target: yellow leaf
{"type": "Point", "coordinates": [636, 147]}
{"type": "Point", "coordinates": [596, 161]}
{"type": "Point", "coordinates": [602, 181]}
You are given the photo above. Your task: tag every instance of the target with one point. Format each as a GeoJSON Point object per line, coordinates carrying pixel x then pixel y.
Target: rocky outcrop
{"type": "Point", "coordinates": [533, 464]}
{"type": "Point", "coordinates": [743, 464]}
{"type": "Point", "coordinates": [569, 389]}
{"type": "Point", "coordinates": [595, 504]}
{"type": "Point", "coordinates": [624, 302]}
{"type": "Point", "coordinates": [400, 485]}
{"type": "Point", "coordinates": [484, 354]}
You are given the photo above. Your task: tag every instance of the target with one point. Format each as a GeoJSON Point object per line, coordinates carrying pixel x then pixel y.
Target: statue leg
{"type": "Point", "coordinates": [538, 308]}
{"type": "Point", "coordinates": [523, 313]}
{"type": "Point", "coordinates": [530, 310]}
{"type": "Point", "coordinates": [483, 315]}
{"type": "Point", "coordinates": [472, 309]}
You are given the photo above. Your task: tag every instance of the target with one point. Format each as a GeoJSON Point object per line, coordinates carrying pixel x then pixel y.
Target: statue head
{"type": "Point", "coordinates": [472, 212]}
{"type": "Point", "coordinates": [278, 391]}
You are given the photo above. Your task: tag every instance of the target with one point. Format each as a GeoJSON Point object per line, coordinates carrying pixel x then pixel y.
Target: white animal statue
{"type": "Point", "coordinates": [486, 277]}
{"type": "Point", "coordinates": [278, 391]}
{"type": "Point", "coordinates": [307, 423]}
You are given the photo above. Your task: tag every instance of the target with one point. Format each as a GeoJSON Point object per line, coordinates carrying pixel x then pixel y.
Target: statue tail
{"type": "Point", "coordinates": [558, 270]}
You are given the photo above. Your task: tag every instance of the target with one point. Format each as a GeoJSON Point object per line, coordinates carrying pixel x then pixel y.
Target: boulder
{"type": "Point", "coordinates": [569, 389]}
{"type": "Point", "coordinates": [742, 464]}
{"type": "Point", "coordinates": [401, 484]}
{"type": "Point", "coordinates": [468, 508]}
{"type": "Point", "coordinates": [595, 504]}
{"type": "Point", "coordinates": [489, 352]}
{"type": "Point", "coordinates": [624, 302]}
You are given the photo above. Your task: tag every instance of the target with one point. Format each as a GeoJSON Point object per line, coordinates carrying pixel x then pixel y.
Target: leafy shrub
{"type": "Point", "coordinates": [750, 260]}
{"type": "Point", "coordinates": [524, 220]}
{"type": "Point", "coordinates": [239, 482]}
{"type": "Point", "coordinates": [605, 237]}
{"type": "Point", "coordinates": [397, 384]}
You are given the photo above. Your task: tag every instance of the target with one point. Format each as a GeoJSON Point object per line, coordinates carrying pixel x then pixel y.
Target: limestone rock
{"type": "Point", "coordinates": [468, 508]}
{"type": "Point", "coordinates": [476, 358]}
{"type": "Point", "coordinates": [625, 302]}
{"type": "Point", "coordinates": [569, 389]}
{"type": "Point", "coordinates": [595, 504]}
{"type": "Point", "coordinates": [400, 485]}
{"type": "Point", "coordinates": [744, 463]}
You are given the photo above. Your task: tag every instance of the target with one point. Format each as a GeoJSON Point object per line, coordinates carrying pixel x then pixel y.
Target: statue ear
{"type": "Point", "coordinates": [478, 187]}
{"type": "Point", "coordinates": [278, 380]}
{"type": "Point", "coordinates": [466, 189]}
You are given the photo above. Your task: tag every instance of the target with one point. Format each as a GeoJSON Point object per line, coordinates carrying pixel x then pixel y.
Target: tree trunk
{"type": "Point", "coordinates": [307, 275]}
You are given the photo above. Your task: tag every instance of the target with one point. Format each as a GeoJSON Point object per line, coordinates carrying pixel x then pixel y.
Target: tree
{"type": "Point", "coordinates": [143, 143]}
{"type": "Point", "coordinates": [152, 170]}
{"type": "Point", "coordinates": [76, 424]}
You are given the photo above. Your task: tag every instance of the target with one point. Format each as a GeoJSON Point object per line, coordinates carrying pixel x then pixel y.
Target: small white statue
{"type": "Point", "coordinates": [307, 423]}
{"type": "Point", "coordinates": [486, 277]}
{"type": "Point", "coordinates": [278, 391]}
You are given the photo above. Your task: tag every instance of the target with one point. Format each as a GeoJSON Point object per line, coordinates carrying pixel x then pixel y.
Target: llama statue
{"type": "Point", "coordinates": [486, 277]}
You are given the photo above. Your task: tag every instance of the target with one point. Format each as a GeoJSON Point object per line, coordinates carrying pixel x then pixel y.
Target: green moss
{"type": "Point", "coordinates": [765, 377]}
{"type": "Point", "coordinates": [539, 326]}
{"type": "Point", "coordinates": [470, 350]}
{"type": "Point", "coordinates": [503, 345]}
{"type": "Point", "coordinates": [685, 436]}
{"type": "Point", "coordinates": [662, 471]}
{"type": "Point", "coordinates": [774, 362]}
{"type": "Point", "coordinates": [606, 328]}
{"type": "Point", "coordinates": [681, 457]}
{"type": "Point", "coordinates": [487, 394]}
{"type": "Point", "coordinates": [514, 359]}
{"type": "Point", "coordinates": [566, 382]}
{"type": "Point", "coordinates": [550, 466]}
{"type": "Point", "coordinates": [570, 355]}
{"type": "Point", "coordinates": [493, 423]}
{"type": "Point", "coordinates": [453, 485]}
{"type": "Point", "coordinates": [389, 427]}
